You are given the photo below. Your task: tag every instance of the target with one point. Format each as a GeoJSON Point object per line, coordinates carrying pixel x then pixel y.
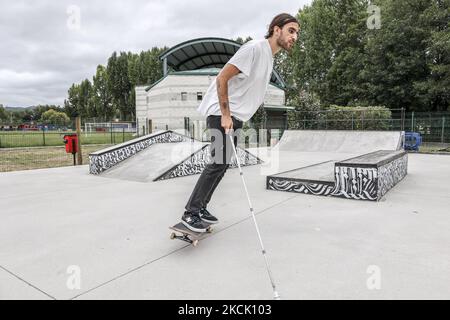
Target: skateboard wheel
{"type": "Point", "coordinates": [172, 236]}
{"type": "Point", "coordinates": [195, 243]}
{"type": "Point", "coordinates": [209, 230]}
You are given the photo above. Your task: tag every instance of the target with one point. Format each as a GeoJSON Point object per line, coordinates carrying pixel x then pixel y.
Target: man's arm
{"type": "Point", "coordinates": [226, 74]}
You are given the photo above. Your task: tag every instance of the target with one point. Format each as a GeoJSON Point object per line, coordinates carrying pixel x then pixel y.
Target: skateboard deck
{"type": "Point", "coordinates": [187, 235]}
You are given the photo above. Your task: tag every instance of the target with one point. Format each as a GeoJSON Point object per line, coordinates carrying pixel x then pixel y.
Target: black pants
{"type": "Point", "coordinates": [221, 152]}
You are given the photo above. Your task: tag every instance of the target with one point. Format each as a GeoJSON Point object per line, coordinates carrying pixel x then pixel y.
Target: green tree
{"type": "Point", "coordinates": [101, 97]}
{"type": "Point", "coordinates": [3, 113]}
{"type": "Point", "coordinates": [85, 107]}
{"type": "Point", "coordinates": [150, 67]}
{"type": "Point", "coordinates": [133, 68]}
{"type": "Point", "coordinates": [52, 116]}
{"type": "Point", "coordinates": [284, 64]}
{"type": "Point", "coordinates": [47, 115]}
{"type": "Point", "coordinates": [242, 41]}
{"type": "Point", "coordinates": [396, 55]}
{"type": "Point", "coordinates": [316, 47]}
{"type": "Point", "coordinates": [329, 54]}
{"type": "Point", "coordinates": [112, 90]}
{"type": "Point", "coordinates": [79, 102]}
{"type": "Point", "coordinates": [133, 75]}
{"type": "Point", "coordinates": [307, 110]}
{"type": "Point", "coordinates": [71, 105]}
{"type": "Point", "coordinates": [40, 109]}
{"type": "Point", "coordinates": [405, 63]}
{"type": "Point", "coordinates": [17, 117]}
{"type": "Point", "coordinates": [27, 115]}
{"type": "Point", "coordinates": [119, 84]}
{"type": "Point", "coordinates": [434, 91]}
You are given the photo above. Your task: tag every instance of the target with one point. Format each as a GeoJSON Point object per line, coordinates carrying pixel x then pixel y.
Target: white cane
{"type": "Point", "coordinates": [275, 293]}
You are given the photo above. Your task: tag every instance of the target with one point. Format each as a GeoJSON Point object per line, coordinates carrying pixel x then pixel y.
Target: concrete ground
{"type": "Point", "coordinates": [66, 234]}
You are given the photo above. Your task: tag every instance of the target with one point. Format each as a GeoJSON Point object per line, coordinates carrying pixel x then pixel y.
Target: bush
{"type": "Point", "coordinates": [342, 118]}
{"type": "Point", "coordinates": [358, 118]}
{"type": "Point", "coordinates": [306, 114]}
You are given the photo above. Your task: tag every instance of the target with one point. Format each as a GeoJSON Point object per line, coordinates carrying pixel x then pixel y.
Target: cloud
{"type": "Point", "coordinates": [47, 46]}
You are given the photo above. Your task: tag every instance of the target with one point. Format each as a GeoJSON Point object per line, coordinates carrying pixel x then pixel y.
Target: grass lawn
{"type": "Point", "coordinates": [41, 157]}
{"type": "Point", "coordinates": [14, 139]}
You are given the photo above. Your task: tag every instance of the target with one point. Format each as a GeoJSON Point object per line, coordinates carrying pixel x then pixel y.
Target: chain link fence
{"type": "Point", "coordinates": [434, 127]}
{"type": "Point", "coordinates": [29, 146]}
{"type": "Point", "coordinates": [34, 146]}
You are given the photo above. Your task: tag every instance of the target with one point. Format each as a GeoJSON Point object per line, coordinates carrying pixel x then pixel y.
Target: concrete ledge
{"type": "Point", "coordinates": [366, 177]}
{"type": "Point", "coordinates": [372, 160]}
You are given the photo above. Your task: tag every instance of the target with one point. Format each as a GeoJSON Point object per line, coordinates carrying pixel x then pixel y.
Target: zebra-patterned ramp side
{"type": "Point", "coordinates": [102, 160]}
{"type": "Point", "coordinates": [195, 163]}
{"type": "Point", "coordinates": [350, 182]}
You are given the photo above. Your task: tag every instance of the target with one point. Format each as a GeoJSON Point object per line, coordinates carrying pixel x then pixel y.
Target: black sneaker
{"type": "Point", "coordinates": [206, 216]}
{"type": "Point", "coordinates": [193, 222]}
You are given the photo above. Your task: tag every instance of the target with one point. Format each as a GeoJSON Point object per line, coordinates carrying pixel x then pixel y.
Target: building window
{"type": "Point", "coordinates": [183, 96]}
{"type": "Point", "coordinates": [199, 96]}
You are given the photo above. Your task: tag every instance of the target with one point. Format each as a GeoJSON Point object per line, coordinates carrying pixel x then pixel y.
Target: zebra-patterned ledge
{"type": "Point", "coordinates": [367, 177]}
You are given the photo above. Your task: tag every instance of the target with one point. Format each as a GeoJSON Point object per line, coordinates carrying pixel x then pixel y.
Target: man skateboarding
{"type": "Point", "coordinates": [233, 98]}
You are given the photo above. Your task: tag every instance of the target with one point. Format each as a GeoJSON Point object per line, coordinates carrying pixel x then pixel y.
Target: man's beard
{"type": "Point", "coordinates": [284, 44]}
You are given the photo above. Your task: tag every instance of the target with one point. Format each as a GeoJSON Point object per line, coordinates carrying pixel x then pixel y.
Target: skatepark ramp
{"type": "Point", "coordinates": [360, 165]}
{"type": "Point", "coordinates": [340, 141]}
{"type": "Point", "coordinates": [158, 156]}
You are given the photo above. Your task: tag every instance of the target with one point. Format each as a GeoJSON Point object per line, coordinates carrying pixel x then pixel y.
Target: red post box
{"type": "Point", "coordinates": [71, 142]}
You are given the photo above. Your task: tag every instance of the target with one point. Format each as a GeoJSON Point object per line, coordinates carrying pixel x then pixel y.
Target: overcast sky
{"type": "Point", "coordinates": [47, 45]}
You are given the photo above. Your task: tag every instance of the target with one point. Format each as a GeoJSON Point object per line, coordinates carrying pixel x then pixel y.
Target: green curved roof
{"type": "Point", "coordinates": [207, 53]}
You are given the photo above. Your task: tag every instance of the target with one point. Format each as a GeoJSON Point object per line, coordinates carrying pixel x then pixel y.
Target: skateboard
{"type": "Point", "coordinates": [188, 235]}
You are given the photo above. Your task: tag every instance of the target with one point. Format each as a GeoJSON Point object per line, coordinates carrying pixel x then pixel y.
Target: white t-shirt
{"type": "Point", "coordinates": [247, 89]}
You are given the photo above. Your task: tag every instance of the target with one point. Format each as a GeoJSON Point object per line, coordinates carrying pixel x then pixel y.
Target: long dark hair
{"type": "Point", "coordinates": [279, 21]}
